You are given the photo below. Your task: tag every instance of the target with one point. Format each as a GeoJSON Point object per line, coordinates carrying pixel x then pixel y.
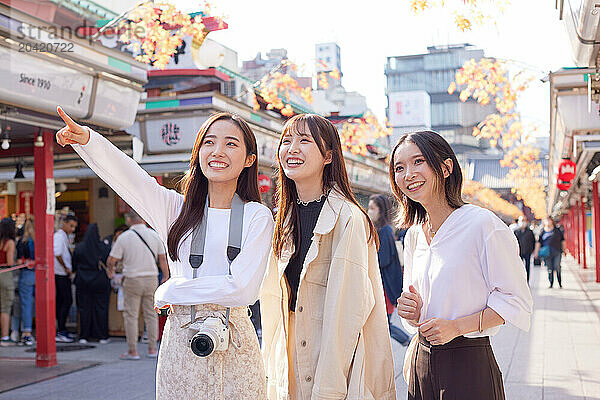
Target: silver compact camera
{"type": "Point", "coordinates": [208, 336]}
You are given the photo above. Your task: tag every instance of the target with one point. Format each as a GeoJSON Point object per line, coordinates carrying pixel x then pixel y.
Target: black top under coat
{"type": "Point", "coordinates": [307, 218]}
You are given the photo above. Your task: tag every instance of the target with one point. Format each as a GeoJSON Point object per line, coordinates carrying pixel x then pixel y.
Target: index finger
{"type": "Point", "coordinates": [66, 118]}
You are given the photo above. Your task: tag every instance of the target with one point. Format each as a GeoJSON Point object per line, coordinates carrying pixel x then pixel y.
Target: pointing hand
{"type": "Point", "coordinates": [72, 133]}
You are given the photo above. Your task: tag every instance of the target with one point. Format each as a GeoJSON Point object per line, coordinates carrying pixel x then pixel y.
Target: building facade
{"type": "Point", "coordinates": [417, 92]}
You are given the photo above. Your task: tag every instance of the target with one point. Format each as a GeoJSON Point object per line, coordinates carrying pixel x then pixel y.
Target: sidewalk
{"type": "Point", "coordinates": [558, 359]}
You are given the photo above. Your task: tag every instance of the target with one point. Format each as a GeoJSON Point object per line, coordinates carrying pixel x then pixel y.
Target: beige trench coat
{"type": "Point", "coordinates": [342, 338]}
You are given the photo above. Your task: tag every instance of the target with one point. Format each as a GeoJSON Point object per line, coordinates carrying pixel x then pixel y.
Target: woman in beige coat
{"type": "Point", "coordinates": [325, 332]}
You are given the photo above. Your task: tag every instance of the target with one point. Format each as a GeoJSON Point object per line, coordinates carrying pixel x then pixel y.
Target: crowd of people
{"type": "Point", "coordinates": [544, 243]}
{"type": "Point", "coordinates": [91, 269]}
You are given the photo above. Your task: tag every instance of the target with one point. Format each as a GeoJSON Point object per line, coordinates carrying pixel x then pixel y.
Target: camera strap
{"type": "Point", "coordinates": [234, 244]}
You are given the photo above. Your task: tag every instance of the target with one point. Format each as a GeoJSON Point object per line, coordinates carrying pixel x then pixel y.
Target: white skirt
{"type": "Point", "coordinates": [237, 373]}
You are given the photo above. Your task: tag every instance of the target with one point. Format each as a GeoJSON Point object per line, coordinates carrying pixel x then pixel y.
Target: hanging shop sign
{"type": "Point", "coordinates": [29, 80]}
{"type": "Point", "coordinates": [36, 83]}
{"type": "Point", "coordinates": [264, 183]}
{"type": "Point", "coordinates": [172, 134]}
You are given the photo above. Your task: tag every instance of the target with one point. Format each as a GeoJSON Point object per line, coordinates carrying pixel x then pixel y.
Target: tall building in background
{"type": "Point", "coordinates": [418, 98]}
{"type": "Point", "coordinates": [335, 100]}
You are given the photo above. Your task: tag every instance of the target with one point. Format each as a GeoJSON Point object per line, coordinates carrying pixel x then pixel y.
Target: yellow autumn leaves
{"type": "Point", "coordinates": [157, 29]}
{"type": "Point", "coordinates": [480, 195]}
{"type": "Point", "coordinates": [467, 13]}
{"type": "Point", "coordinates": [489, 80]}
{"type": "Point", "coordinates": [356, 133]}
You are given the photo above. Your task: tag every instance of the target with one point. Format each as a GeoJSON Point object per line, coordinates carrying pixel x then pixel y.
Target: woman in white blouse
{"type": "Point", "coordinates": [463, 277]}
{"type": "Point", "coordinates": [223, 162]}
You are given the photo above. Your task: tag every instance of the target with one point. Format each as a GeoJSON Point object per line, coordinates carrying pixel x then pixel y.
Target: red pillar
{"type": "Point", "coordinates": [577, 232]}
{"type": "Point", "coordinates": [583, 218]}
{"type": "Point", "coordinates": [573, 232]}
{"type": "Point", "coordinates": [45, 308]}
{"type": "Point", "coordinates": [569, 234]}
{"type": "Point", "coordinates": [596, 218]}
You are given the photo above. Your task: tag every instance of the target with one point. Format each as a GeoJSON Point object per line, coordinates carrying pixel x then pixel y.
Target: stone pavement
{"type": "Point", "coordinates": [559, 358]}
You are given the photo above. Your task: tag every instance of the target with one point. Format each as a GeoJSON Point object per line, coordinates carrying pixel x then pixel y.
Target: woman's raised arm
{"type": "Point", "coordinates": [156, 204]}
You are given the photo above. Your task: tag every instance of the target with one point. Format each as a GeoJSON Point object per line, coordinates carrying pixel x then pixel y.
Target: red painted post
{"type": "Point", "coordinates": [44, 204]}
{"type": "Point", "coordinates": [577, 232]}
{"type": "Point", "coordinates": [573, 232]}
{"type": "Point", "coordinates": [583, 223]}
{"type": "Point", "coordinates": [596, 217]}
{"type": "Point", "coordinates": [570, 234]}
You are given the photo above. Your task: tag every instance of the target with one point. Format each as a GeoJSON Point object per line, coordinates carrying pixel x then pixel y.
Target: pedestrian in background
{"type": "Point", "coordinates": [462, 276]}
{"type": "Point", "coordinates": [26, 283]}
{"type": "Point", "coordinates": [92, 286]}
{"type": "Point", "coordinates": [325, 333]}
{"type": "Point", "coordinates": [526, 240]}
{"type": "Point", "coordinates": [7, 287]}
{"type": "Point", "coordinates": [110, 239]}
{"type": "Point", "coordinates": [380, 212]}
{"type": "Point", "coordinates": [140, 249]}
{"type": "Point", "coordinates": [63, 270]}
{"type": "Point", "coordinates": [549, 247]}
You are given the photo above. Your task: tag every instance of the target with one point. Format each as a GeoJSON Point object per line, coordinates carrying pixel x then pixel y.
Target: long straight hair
{"type": "Point", "coordinates": [327, 139]}
{"type": "Point", "coordinates": [195, 183]}
{"type": "Point", "coordinates": [435, 150]}
{"type": "Point", "coordinates": [8, 231]}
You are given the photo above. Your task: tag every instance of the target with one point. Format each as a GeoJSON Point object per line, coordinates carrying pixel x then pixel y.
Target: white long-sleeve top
{"type": "Point", "coordinates": [472, 262]}
{"type": "Point", "coordinates": [160, 207]}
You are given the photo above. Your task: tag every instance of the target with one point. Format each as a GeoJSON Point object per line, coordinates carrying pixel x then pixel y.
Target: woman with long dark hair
{"type": "Point", "coordinates": [223, 173]}
{"type": "Point", "coordinates": [8, 233]}
{"type": "Point", "coordinates": [463, 277]}
{"type": "Point", "coordinates": [92, 285]}
{"type": "Point", "coordinates": [380, 212]}
{"type": "Point", "coordinates": [322, 304]}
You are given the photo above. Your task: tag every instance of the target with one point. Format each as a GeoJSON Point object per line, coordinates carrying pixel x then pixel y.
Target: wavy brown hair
{"type": "Point", "coordinates": [327, 139]}
{"type": "Point", "coordinates": [435, 150]}
{"type": "Point", "coordinates": [195, 183]}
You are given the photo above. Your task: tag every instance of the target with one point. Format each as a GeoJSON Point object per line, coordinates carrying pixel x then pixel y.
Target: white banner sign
{"type": "Point", "coordinates": [50, 198]}
{"type": "Point", "coordinates": [410, 108]}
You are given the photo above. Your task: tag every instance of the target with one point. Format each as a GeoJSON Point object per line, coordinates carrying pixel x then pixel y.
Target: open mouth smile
{"type": "Point", "coordinates": [218, 164]}
{"type": "Point", "coordinates": [294, 162]}
{"type": "Point", "coordinates": [414, 186]}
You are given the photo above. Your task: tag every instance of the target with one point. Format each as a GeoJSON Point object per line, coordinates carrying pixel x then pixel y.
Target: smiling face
{"type": "Point", "coordinates": [223, 153]}
{"type": "Point", "coordinates": [414, 177]}
{"type": "Point", "coordinates": [300, 157]}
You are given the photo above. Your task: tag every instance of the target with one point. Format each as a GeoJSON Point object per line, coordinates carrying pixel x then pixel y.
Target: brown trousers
{"type": "Point", "coordinates": [462, 369]}
{"type": "Point", "coordinates": [140, 291]}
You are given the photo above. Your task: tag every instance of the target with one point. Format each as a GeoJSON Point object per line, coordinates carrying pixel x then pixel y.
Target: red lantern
{"type": "Point", "coordinates": [562, 185]}
{"type": "Point", "coordinates": [264, 183]}
{"type": "Point", "coordinates": [566, 171]}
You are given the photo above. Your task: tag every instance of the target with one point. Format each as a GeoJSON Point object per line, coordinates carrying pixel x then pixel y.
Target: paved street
{"type": "Point", "coordinates": [558, 359]}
